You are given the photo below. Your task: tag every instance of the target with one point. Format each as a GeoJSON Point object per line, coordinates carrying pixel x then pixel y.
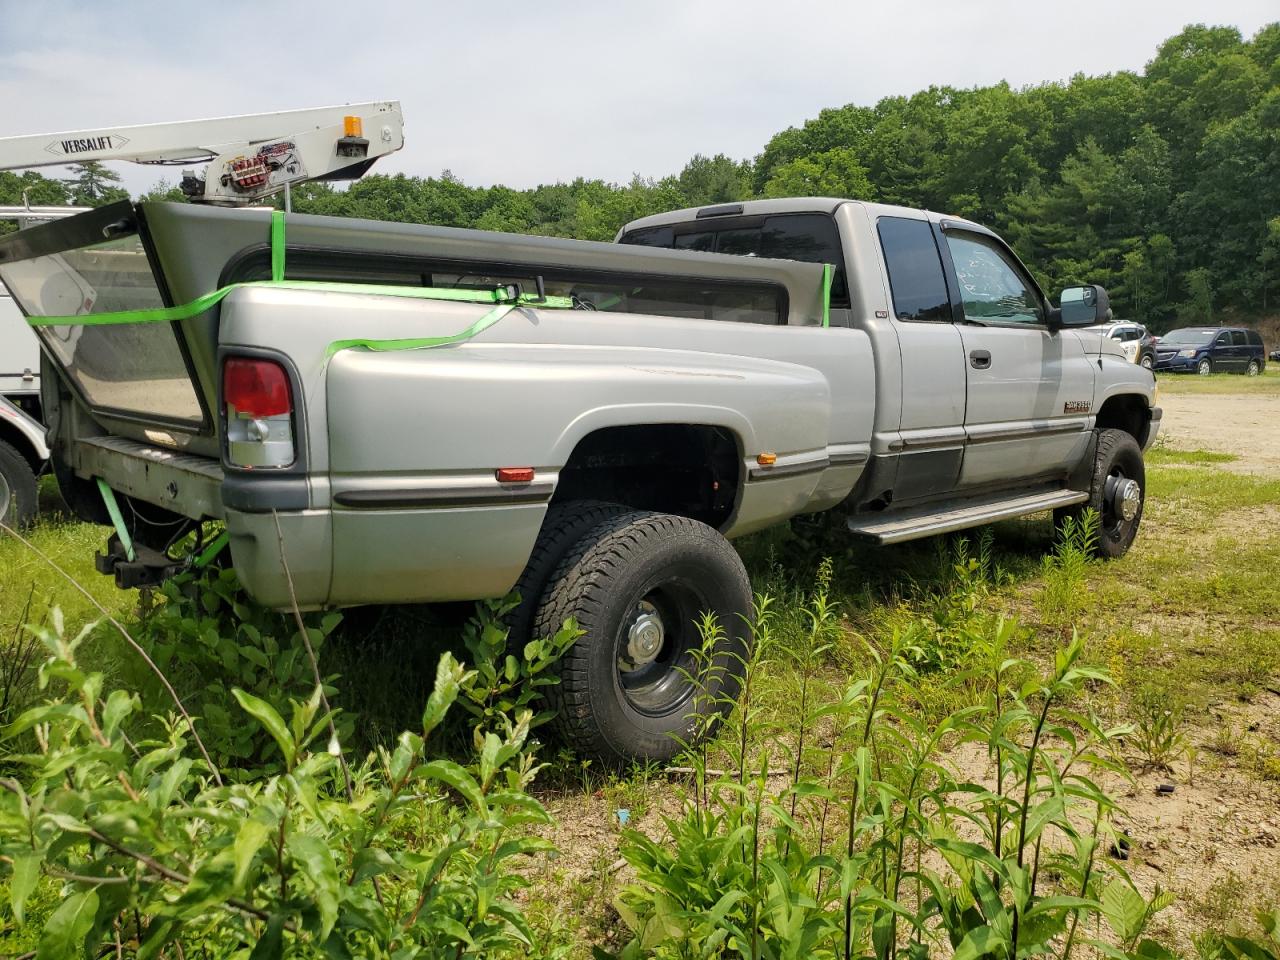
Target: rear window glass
{"type": "Point", "coordinates": [1238, 338]}
{"type": "Point", "coordinates": [915, 271]}
{"type": "Point", "coordinates": [808, 237]}
{"type": "Point", "coordinates": [1255, 338]}
{"type": "Point", "coordinates": [131, 368]}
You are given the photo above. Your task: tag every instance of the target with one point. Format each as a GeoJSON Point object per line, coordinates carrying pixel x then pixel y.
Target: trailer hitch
{"type": "Point", "coordinates": [146, 568]}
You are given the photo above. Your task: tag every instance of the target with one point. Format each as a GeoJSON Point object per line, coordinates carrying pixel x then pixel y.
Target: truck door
{"type": "Point", "coordinates": [931, 437]}
{"type": "Point", "coordinates": [1030, 390]}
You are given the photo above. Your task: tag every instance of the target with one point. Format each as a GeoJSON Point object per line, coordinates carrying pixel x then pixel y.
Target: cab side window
{"type": "Point", "coordinates": [916, 280]}
{"type": "Point", "coordinates": [1224, 339]}
{"type": "Point", "coordinates": [991, 288]}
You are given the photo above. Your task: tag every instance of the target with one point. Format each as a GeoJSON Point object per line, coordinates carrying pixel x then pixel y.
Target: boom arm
{"type": "Point", "coordinates": [250, 157]}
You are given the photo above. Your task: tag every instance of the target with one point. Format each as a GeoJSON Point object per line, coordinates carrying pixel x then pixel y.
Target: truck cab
{"type": "Point", "coordinates": [983, 389]}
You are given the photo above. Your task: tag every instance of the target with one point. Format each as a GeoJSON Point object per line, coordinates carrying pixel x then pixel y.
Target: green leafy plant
{"type": "Point", "coordinates": [212, 637]}
{"type": "Point", "coordinates": [1158, 727]}
{"type": "Point", "coordinates": [1128, 914]}
{"type": "Point", "coordinates": [504, 681]}
{"type": "Point", "coordinates": [1064, 570]}
{"type": "Point", "coordinates": [154, 858]}
{"type": "Point", "coordinates": [844, 862]}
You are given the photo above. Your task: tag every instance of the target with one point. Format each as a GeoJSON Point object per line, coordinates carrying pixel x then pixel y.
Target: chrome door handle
{"type": "Point", "coordinates": [979, 359]}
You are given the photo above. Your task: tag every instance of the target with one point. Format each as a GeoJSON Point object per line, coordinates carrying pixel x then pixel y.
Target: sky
{"type": "Point", "coordinates": [538, 92]}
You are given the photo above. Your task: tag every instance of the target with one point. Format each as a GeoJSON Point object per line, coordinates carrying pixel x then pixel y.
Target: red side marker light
{"type": "Point", "coordinates": [515, 474]}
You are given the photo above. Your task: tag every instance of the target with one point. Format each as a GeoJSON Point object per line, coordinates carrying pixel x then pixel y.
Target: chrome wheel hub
{"type": "Point", "coordinates": [645, 637]}
{"type": "Point", "coordinates": [1125, 496]}
{"type": "Point", "coordinates": [6, 497]}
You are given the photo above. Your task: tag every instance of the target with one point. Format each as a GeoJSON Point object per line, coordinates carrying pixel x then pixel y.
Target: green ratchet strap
{"type": "Point", "coordinates": [113, 510]}
{"type": "Point", "coordinates": [828, 273]}
{"type": "Point", "coordinates": [207, 555]}
{"type": "Point", "coordinates": [277, 245]}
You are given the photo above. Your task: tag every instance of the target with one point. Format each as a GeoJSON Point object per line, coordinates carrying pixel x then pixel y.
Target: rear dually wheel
{"type": "Point", "coordinates": [639, 684]}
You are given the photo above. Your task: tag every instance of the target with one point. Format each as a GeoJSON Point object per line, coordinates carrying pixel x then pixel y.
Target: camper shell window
{"type": "Point", "coordinates": [735, 301]}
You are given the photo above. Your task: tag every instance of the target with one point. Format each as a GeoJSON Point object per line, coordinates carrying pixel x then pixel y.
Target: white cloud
{"type": "Point", "coordinates": [522, 93]}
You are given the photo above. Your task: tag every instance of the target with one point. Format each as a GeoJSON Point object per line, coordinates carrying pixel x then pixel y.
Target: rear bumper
{"type": "Point", "coordinates": [339, 557]}
{"type": "Point", "coordinates": [450, 539]}
{"type": "Point", "coordinates": [282, 558]}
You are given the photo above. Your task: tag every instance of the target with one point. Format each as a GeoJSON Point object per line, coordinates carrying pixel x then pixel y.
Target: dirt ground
{"type": "Point", "coordinates": [1247, 426]}
{"type": "Point", "coordinates": [1215, 840]}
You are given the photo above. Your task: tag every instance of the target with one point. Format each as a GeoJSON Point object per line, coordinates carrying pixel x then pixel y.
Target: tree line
{"type": "Point", "coordinates": [1163, 185]}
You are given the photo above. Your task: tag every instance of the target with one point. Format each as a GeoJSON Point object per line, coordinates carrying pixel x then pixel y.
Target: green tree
{"type": "Point", "coordinates": [91, 184]}
{"type": "Point", "coordinates": [1199, 305]}
{"type": "Point", "coordinates": [714, 180]}
{"type": "Point", "coordinates": [832, 173]}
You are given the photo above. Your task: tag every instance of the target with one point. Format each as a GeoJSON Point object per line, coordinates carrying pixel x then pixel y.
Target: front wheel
{"type": "Point", "coordinates": [643, 680]}
{"type": "Point", "coordinates": [1148, 362]}
{"type": "Point", "coordinates": [17, 489]}
{"type": "Point", "coordinates": [1204, 367]}
{"type": "Point", "coordinates": [1117, 494]}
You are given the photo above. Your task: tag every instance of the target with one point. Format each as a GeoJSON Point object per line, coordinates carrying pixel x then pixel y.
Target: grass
{"type": "Point", "coordinates": [1265, 384]}
{"type": "Point", "coordinates": [1161, 455]}
{"type": "Point", "coordinates": [1189, 617]}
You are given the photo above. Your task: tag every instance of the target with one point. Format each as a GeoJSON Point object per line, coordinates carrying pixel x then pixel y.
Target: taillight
{"type": "Point", "coordinates": [256, 388]}
{"type": "Point", "coordinates": [259, 413]}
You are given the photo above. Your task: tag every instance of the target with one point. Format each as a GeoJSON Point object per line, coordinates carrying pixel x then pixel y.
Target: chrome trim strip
{"type": "Point", "coordinates": [794, 468]}
{"type": "Point", "coordinates": [848, 459]}
{"type": "Point", "coordinates": [987, 433]}
{"type": "Point", "coordinates": [848, 454]}
{"type": "Point", "coordinates": [452, 495]}
{"type": "Point", "coordinates": [912, 440]}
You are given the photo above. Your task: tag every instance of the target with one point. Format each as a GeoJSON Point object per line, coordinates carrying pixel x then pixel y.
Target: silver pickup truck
{"type": "Point", "coordinates": [406, 413]}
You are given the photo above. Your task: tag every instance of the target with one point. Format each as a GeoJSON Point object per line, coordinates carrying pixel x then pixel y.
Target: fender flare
{"type": "Point", "coordinates": [29, 428]}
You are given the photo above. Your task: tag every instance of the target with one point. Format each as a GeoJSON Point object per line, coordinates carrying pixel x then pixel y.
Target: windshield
{"type": "Point", "coordinates": [1188, 336]}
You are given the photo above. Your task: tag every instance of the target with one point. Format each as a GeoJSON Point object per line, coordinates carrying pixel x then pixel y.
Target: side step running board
{"type": "Point", "coordinates": [900, 526]}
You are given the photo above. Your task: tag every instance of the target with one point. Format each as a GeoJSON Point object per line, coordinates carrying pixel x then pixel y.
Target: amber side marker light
{"type": "Point", "coordinates": [767, 459]}
{"type": "Point", "coordinates": [515, 474]}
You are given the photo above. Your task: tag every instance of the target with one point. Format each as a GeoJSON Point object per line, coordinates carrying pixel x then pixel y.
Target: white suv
{"type": "Point", "coordinates": [1135, 340]}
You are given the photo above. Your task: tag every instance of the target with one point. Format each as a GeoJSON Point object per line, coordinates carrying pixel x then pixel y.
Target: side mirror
{"type": "Point", "coordinates": [1084, 306]}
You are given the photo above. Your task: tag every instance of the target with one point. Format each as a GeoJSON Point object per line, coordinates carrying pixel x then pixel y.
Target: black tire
{"type": "Point", "coordinates": [1204, 367]}
{"type": "Point", "coordinates": [624, 571]}
{"type": "Point", "coordinates": [1148, 361]}
{"type": "Point", "coordinates": [1253, 369]}
{"type": "Point", "coordinates": [17, 489]}
{"type": "Point", "coordinates": [1118, 458]}
{"type": "Point", "coordinates": [563, 527]}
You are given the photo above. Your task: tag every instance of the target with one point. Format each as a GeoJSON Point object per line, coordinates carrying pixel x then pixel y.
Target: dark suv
{"type": "Point", "coordinates": [1206, 350]}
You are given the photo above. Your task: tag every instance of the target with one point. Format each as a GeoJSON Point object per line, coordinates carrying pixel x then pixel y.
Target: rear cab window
{"type": "Point", "coordinates": [808, 237]}
{"type": "Point", "coordinates": [916, 280]}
